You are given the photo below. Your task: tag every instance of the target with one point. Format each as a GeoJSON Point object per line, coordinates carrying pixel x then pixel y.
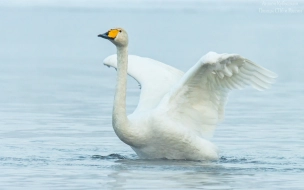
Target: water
{"type": "Point", "coordinates": [56, 96]}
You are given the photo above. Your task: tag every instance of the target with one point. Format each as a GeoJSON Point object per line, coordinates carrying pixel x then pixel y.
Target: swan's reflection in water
{"type": "Point", "coordinates": [167, 174]}
{"type": "Point", "coordinates": [229, 172]}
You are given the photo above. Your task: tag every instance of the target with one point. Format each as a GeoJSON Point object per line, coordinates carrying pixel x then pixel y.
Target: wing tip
{"type": "Point", "coordinates": [110, 60]}
{"type": "Point", "coordinates": [265, 71]}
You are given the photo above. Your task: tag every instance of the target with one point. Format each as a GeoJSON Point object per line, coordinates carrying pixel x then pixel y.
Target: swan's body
{"type": "Point", "coordinates": [177, 111]}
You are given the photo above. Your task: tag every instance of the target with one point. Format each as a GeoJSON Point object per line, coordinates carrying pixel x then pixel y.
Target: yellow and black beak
{"type": "Point", "coordinates": [111, 34]}
{"type": "Point", "coordinates": [105, 36]}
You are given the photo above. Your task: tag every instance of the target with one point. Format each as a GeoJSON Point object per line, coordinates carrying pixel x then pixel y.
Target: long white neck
{"type": "Point", "coordinates": [120, 121]}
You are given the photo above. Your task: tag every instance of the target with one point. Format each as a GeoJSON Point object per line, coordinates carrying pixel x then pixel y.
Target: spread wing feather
{"type": "Point", "coordinates": [198, 99]}
{"type": "Point", "coordinates": [154, 77]}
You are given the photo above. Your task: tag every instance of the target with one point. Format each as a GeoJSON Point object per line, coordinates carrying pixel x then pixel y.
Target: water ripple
{"type": "Point", "coordinates": [109, 157]}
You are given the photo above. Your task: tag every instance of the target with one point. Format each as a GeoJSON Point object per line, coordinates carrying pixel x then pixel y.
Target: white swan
{"type": "Point", "coordinates": [177, 111]}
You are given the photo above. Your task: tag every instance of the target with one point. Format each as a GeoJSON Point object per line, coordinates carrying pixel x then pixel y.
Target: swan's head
{"type": "Point", "coordinates": [117, 36]}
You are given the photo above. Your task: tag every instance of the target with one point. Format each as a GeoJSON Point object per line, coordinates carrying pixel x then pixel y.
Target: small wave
{"type": "Point", "coordinates": [232, 160]}
{"type": "Point", "coordinates": [109, 157]}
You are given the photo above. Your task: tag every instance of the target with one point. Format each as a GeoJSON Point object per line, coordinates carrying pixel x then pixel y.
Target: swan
{"type": "Point", "coordinates": [177, 112]}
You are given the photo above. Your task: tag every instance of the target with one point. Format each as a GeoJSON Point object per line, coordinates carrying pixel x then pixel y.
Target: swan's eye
{"type": "Point", "coordinates": [119, 30]}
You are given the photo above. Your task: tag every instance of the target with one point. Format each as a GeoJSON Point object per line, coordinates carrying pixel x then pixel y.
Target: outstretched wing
{"type": "Point", "coordinates": [198, 99]}
{"type": "Point", "coordinates": [154, 77]}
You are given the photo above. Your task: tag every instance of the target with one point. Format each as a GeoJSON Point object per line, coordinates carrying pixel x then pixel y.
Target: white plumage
{"type": "Point", "coordinates": [155, 78]}
{"type": "Point", "coordinates": [178, 112]}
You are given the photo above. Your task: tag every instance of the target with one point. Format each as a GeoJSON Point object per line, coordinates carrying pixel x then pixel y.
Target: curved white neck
{"type": "Point", "coordinates": [120, 121]}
